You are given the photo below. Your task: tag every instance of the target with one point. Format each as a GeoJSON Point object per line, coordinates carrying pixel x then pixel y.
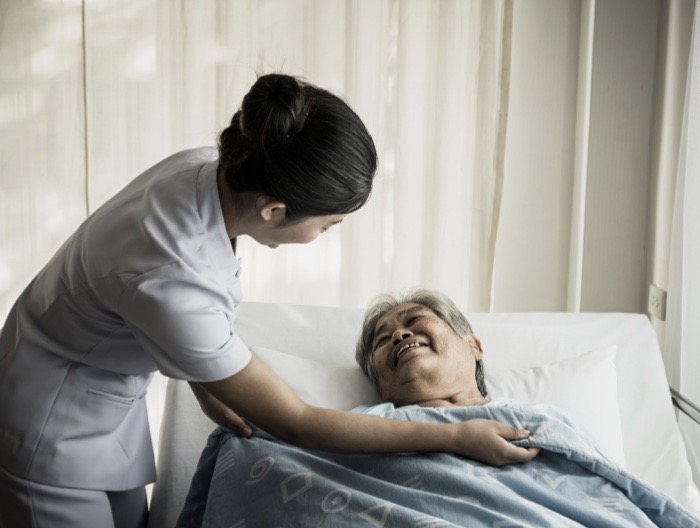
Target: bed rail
{"type": "Point", "coordinates": [684, 405]}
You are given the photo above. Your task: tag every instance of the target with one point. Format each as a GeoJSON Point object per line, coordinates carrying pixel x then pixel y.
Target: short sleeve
{"type": "Point", "coordinates": [184, 322]}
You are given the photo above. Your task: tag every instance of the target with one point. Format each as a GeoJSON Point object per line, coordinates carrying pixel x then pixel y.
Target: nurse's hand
{"type": "Point", "coordinates": [219, 413]}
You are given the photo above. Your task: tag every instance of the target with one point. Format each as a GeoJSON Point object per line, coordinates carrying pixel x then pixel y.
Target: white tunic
{"type": "Point", "coordinates": [148, 282]}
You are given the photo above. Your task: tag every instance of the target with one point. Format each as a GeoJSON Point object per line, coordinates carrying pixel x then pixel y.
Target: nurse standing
{"type": "Point", "coordinates": [150, 282]}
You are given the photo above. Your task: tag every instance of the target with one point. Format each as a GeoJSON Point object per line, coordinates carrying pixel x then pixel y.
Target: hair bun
{"type": "Point", "coordinates": [273, 111]}
{"type": "Point", "coordinates": [299, 144]}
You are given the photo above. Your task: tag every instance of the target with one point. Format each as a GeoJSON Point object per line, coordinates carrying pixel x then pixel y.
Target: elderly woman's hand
{"type": "Point", "coordinates": [219, 413]}
{"type": "Point", "coordinates": [490, 442]}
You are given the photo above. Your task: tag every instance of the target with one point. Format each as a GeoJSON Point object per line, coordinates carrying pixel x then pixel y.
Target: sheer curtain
{"type": "Point", "coordinates": [430, 80]}
{"type": "Point", "coordinates": [682, 344]}
{"type": "Point", "coordinates": [94, 92]}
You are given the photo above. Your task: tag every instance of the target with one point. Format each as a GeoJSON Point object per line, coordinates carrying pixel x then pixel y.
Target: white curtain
{"type": "Point", "coordinates": [430, 81]}
{"type": "Point", "coordinates": [682, 344]}
{"type": "Point", "coordinates": [94, 92]}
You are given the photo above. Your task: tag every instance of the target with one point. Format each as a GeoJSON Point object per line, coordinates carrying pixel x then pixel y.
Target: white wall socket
{"type": "Point", "coordinates": [657, 302]}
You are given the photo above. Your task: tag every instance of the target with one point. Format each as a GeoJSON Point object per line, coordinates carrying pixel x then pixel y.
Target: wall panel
{"type": "Point", "coordinates": [619, 163]}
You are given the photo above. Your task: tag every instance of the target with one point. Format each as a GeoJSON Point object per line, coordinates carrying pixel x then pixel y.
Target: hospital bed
{"type": "Point", "coordinates": [605, 370]}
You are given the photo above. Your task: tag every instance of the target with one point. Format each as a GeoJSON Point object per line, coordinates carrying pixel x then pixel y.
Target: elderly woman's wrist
{"type": "Point", "coordinates": [451, 438]}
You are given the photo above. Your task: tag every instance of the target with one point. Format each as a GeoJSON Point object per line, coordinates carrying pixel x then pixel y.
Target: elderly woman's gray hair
{"type": "Point", "coordinates": [439, 303]}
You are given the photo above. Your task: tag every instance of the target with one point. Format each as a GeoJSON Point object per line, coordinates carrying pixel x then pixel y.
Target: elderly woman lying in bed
{"type": "Point", "coordinates": [426, 363]}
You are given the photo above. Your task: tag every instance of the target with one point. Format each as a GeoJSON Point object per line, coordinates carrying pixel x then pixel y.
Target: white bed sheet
{"type": "Point", "coordinates": [653, 447]}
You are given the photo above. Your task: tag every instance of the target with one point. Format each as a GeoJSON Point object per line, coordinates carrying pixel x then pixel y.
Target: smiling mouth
{"type": "Point", "coordinates": [404, 348]}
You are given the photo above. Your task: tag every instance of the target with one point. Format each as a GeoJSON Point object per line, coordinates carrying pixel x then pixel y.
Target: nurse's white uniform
{"type": "Point", "coordinates": [148, 282]}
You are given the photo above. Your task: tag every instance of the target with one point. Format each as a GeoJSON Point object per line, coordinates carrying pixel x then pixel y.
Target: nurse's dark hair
{"type": "Point", "coordinates": [439, 303]}
{"type": "Point", "coordinates": [299, 144]}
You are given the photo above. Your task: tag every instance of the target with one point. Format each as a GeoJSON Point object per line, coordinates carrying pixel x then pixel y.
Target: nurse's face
{"type": "Point", "coordinates": [301, 232]}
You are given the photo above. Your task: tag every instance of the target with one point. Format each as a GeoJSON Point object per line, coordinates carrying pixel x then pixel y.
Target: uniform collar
{"type": "Point", "coordinates": [209, 206]}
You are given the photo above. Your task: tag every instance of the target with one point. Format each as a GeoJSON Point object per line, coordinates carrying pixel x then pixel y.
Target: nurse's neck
{"type": "Point", "coordinates": [238, 219]}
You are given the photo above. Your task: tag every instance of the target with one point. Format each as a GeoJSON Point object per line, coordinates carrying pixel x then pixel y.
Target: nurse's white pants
{"type": "Point", "coordinates": [26, 504]}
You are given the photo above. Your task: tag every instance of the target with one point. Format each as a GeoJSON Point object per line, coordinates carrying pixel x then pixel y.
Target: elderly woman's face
{"type": "Point", "coordinates": [418, 357]}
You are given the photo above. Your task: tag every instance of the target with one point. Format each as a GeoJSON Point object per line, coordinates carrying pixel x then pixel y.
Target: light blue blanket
{"type": "Point", "coordinates": [261, 482]}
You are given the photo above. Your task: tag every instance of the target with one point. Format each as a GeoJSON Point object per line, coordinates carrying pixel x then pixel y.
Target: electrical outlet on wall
{"type": "Point", "coordinates": [657, 302]}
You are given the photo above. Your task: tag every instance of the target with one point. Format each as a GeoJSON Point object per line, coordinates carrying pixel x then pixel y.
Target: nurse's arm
{"type": "Point", "coordinates": [262, 397]}
{"type": "Point", "coordinates": [217, 412]}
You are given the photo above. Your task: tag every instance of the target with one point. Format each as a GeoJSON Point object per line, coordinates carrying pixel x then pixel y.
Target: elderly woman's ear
{"type": "Point", "coordinates": [475, 346]}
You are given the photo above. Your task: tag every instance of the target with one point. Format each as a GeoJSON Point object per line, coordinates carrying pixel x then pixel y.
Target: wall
{"type": "Point", "coordinates": [625, 222]}
{"type": "Point", "coordinates": [622, 101]}
{"type": "Point", "coordinates": [675, 36]}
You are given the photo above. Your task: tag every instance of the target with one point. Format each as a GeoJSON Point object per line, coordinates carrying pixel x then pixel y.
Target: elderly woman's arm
{"type": "Point", "coordinates": [262, 397]}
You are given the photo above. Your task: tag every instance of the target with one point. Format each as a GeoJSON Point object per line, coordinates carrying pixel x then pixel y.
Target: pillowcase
{"type": "Point", "coordinates": [321, 384]}
{"type": "Point", "coordinates": [584, 386]}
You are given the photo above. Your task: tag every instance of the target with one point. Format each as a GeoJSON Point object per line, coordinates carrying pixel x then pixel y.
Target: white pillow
{"type": "Point", "coordinates": [322, 384]}
{"type": "Point", "coordinates": [584, 386]}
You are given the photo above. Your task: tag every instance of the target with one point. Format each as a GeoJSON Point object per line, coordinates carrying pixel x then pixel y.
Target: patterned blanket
{"type": "Point", "coordinates": [261, 482]}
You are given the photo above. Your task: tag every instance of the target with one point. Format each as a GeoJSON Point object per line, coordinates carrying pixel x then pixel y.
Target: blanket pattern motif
{"type": "Point", "coordinates": [261, 481]}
